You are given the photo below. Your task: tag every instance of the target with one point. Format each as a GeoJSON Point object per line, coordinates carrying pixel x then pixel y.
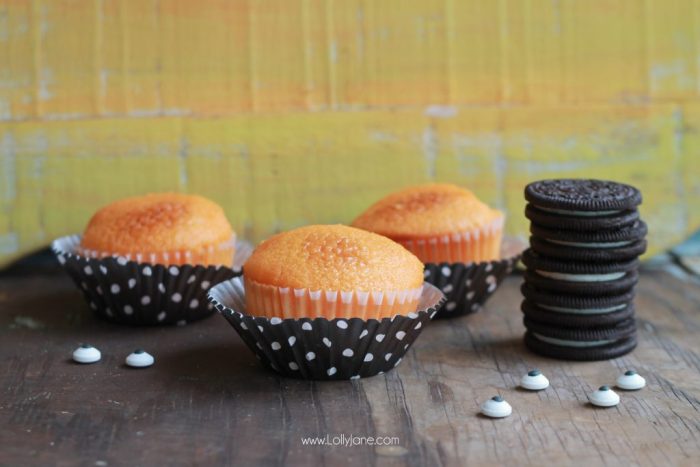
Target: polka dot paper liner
{"type": "Point", "coordinates": [467, 286]}
{"type": "Point", "coordinates": [322, 349]}
{"type": "Point", "coordinates": [140, 293]}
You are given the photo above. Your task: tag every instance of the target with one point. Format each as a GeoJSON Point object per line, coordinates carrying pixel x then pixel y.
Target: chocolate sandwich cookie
{"type": "Point", "coordinates": [613, 238]}
{"type": "Point", "coordinates": [552, 220]}
{"type": "Point", "coordinates": [574, 336]}
{"type": "Point", "coordinates": [625, 252]}
{"type": "Point", "coordinates": [580, 351]}
{"type": "Point", "coordinates": [570, 271]}
{"type": "Point", "coordinates": [576, 304]}
{"type": "Point", "coordinates": [576, 320]}
{"type": "Point", "coordinates": [582, 197]}
{"type": "Point", "coordinates": [612, 287]}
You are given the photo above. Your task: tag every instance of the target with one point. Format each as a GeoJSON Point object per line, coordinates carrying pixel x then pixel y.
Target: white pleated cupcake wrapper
{"type": "Point", "coordinates": [322, 349]}
{"type": "Point", "coordinates": [289, 302]}
{"type": "Point", "coordinates": [159, 258]}
{"type": "Point", "coordinates": [139, 293]}
{"type": "Point", "coordinates": [467, 286]}
{"type": "Point", "coordinates": [432, 247]}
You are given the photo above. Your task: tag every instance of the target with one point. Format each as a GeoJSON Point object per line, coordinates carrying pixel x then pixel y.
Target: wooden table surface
{"type": "Point", "coordinates": [208, 401]}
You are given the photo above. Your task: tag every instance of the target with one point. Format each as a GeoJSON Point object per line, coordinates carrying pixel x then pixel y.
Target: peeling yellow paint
{"type": "Point", "coordinates": [296, 111]}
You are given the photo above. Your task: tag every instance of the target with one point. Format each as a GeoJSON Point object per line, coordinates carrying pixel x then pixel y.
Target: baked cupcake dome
{"type": "Point", "coordinates": [438, 223]}
{"type": "Point", "coordinates": [163, 228]}
{"type": "Point", "coordinates": [331, 271]}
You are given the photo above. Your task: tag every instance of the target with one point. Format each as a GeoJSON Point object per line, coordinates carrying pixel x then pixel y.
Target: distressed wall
{"type": "Point", "coordinates": [296, 111]}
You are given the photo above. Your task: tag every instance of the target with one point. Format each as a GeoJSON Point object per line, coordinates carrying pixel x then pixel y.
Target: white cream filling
{"type": "Point", "coordinates": [611, 276]}
{"type": "Point", "coordinates": [578, 213]}
{"type": "Point", "coordinates": [585, 311]}
{"type": "Point", "coordinates": [591, 245]}
{"type": "Point", "coordinates": [567, 343]}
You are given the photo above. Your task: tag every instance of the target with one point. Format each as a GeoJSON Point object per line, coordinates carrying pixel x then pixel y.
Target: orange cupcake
{"type": "Point", "coordinates": [164, 228]}
{"type": "Point", "coordinates": [331, 271]}
{"type": "Point", "coordinates": [438, 223]}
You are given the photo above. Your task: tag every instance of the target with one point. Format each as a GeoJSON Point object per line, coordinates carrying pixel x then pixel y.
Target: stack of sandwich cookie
{"type": "Point", "coordinates": [582, 268]}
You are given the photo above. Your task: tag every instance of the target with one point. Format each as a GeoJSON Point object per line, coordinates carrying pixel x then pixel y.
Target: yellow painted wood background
{"type": "Point", "coordinates": [290, 112]}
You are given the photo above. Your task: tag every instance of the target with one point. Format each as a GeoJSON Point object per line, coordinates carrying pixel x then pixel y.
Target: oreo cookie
{"type": "Point", "coordinates": [568, 320]}
{"type": "Point", "coordinates": [573, 336]}
{"type": "Point", "coordinates": [583, 197]}
{"type": "Point", "coordinates": [589, 353]}
{"type": "Point", "coordinates": [587, 223]}
{"type": "Point", "coordinates": [579, 278]}
{"type": "Point", "coordinates": [625, 252]}
{"type": "Point", "coordinates": [577, 271]}
{"type": "Point", "coordinates": [611, 238]}
{"type": "Point", "coordinates": [612, 287]}
{"type": "Point", "coordinates": [581, 304]}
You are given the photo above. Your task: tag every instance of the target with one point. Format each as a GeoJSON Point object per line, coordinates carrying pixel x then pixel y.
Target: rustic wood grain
{"type": "Point", "coordinates": [208, 401]}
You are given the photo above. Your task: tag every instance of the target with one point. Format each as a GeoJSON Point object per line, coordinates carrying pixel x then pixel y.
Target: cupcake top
{"type": "Point", "coordinates": [334, 257]}
{"type": "Point", "coordinates": [426, 211]}
{"type": "Point", "coordinates": [157, 223]}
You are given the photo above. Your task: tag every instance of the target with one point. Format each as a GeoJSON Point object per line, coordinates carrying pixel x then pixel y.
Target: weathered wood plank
{"type": "Point", "coordinates": [208, 401]}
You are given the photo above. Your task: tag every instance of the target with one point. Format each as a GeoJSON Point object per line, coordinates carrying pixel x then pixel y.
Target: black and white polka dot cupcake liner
{"type": "Point", "coordinates": [139, 293]}
{"type": "Point", "coordinates": [467, 286]}
{"type": "Point", "coordinates": [323, 349]}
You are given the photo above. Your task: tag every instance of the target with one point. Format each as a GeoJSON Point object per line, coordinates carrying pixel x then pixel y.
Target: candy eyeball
{"type": "Point", "coordinates": [604, 397]}
{"type": "Point", "coordinates": [534, 380]}
{"type": "Point", "coordinates": [496, 407]}
{"type": "Point", "coordinates": [139, 358]}
{"type": "Point", "coordinates": [86, 354]}
{"type": "Point", "coordinates": [631, 381]}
